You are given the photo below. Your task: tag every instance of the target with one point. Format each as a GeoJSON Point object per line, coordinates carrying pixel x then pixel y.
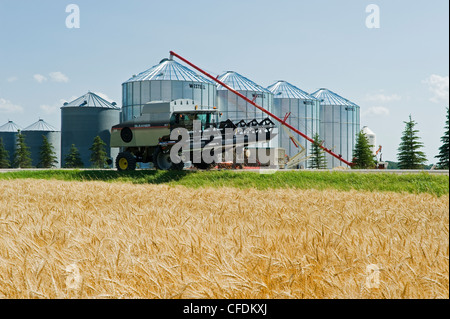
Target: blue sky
{"type": "Point", "coordinates": [396, 70]}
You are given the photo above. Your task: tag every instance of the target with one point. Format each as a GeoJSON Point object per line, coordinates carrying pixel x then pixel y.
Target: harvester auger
{"type": "Point", "coordinates": [283, 122]}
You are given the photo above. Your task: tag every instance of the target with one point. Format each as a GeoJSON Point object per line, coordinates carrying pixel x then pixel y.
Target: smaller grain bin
{"type": "Point", "coordinates": [34, 134]}
{"type": "Point", "coordinates": [372, 138]}
{"type": "Point", "coordinates": [8, 133]}
{"type": "Point", "coordinates": [82, 120]}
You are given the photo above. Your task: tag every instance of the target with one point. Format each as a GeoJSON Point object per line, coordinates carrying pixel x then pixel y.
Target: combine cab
{"type": "Point", "coordinates": [147, 138]}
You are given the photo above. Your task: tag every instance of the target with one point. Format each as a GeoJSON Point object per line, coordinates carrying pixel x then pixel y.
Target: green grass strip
{"type": "Point", "coordinates": [345, 181]}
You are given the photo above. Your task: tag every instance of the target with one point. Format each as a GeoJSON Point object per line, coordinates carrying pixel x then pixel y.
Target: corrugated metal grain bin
{"type": "Point", "coordinates": [82, 120]}
{"type": "Point", "coordinates": [304, 112]}
{"type": "Point", "coordinates": [166, 81]}
{"type": "Point", "coordinates": [33, 135]}
{"type": "Point", "coordinates": [339, 125]}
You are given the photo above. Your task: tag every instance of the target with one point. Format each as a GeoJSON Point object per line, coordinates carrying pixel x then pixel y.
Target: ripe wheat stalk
{"type": "Point", "coordinates": [118, 240]}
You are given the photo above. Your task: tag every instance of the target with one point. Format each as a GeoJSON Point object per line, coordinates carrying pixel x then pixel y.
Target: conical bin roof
{"type": "Point", "coordinates": [41, 126]}
{"type": "Point", "coordinates": [285, 90]}
{"type": "Point", "coordinates": [328, 97]}
{"type": "Point", "coordinates": [91, 100]}
{"type": "Point", "coordinates": [168, 70]}
{"type": "Point", "coordinates": [10, 126]}
{"type": "Point", "coordinates": [239, 83]}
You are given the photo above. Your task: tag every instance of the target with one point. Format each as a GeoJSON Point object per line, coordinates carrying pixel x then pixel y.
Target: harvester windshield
{"type": "Point", "coordinates": [186, 119]}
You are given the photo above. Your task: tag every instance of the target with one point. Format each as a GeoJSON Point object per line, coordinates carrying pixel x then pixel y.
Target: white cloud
{"type": "Point", "coordinates": [438, 85]}
{"type": "Point", "coordinates": [58, 77]}
{"type": "Point", "coordinates": [383, 98]}
{"type": "Point", "coordinates": [378, 101]}
{"type": "Point", "coordinates": [376, 111]}
{"type": "Point", "coordinates": [54, 108]}
{"type": "Point", "coordinates": [49, 109]}
{"type": "Point", "coordinates": [7, 106]}
{"type": "Point", "coordinates": [54, 77]}
{"type": "Point", "coordinates": [39, 78]}
{"type": "Point", "coordinates": [12, 79]}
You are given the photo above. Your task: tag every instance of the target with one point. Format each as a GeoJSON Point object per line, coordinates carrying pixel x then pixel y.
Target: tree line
{"type": "Point", "coordinates": [409, 156]}
{"type": "Point", "coordinates": [409, 153]}
{"type": "Point", "coordinates": [47, 156]}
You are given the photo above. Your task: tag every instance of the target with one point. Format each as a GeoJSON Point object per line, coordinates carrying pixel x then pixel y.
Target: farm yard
{"type": "Point", "coordinates": [99, 238]}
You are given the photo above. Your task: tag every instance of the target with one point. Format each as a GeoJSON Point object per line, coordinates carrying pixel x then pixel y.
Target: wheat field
{"type": "Point", "coordinates": [119, 240]}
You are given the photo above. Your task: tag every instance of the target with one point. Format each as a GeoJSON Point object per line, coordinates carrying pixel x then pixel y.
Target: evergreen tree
{"type": "Point", "coordinates": [73, 159]}
{"type": "Point", "coordinates": [318, 159]}
{"type": "Point", "coordinates": [363, 157]}
{"type": "Point", "coordinates": [409, 155]}
{"type": "Point", "coordinates": [444, 150]}
{"type": "Point", "coordinates": [98, 156]}
{"type": "Point", "coordinates": [4, 156]}
{"type": "Point", "coordinates": [22, 154]}
{"type": "Point", "coordinates": [47, 156]}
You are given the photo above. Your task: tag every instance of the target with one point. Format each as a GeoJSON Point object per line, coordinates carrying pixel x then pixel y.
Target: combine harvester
{"type": "Point", "coordinates": [147, 138]}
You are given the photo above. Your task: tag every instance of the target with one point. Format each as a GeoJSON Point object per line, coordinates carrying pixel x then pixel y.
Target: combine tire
{"type": "Point", "coordinates": [162, 161]}
{"type": "Point", "coordinates": [125, 161]}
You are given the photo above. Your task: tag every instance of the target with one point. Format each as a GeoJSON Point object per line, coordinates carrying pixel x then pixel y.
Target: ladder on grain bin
{"type": "Point", "coordinates": [283, 122]}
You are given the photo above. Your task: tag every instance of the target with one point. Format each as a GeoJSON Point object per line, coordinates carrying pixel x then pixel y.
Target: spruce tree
{"type": "Point", "coordinates": [22, 154]}
{"type": "Point", "coordinates": [318, 159]}
{"type": "Point", "coordinates": [4, 156]}
{"type": "Point", "coordinates": [98, 153]}
{"type": "Point", "coordinates": [444, 149]}
{"type": "Point", "coordinates": [409, 155]}
{"type": "Point", "coordinates": [363, 157]}
{"type": "Point", "coordinates": [47, 156]}
{"type": "Point", "coordinates": [73, 159]}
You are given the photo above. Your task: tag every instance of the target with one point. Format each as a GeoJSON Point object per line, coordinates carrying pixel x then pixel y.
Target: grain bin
{"type": "Point", "coordinates": [235, 108]}
{"type": "Point", "coordinates": [304, 112]}
{"type": "Point", "coordinates": [33, 136]}
{"type": "Point", "coordinates": [82, 120]}
{"type": "Point", "coordinates": [8, 133]}
{"type": "Point", "coordinates": [166, 81]}
{"type": "Point", "coordinates": [372, 138]}
{"type": "Point", "coordinates": [339, 124]}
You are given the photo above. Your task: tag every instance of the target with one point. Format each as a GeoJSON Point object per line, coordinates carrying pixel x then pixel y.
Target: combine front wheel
{"type": "Point", "coordinates": [125, 161]}
{"type": "Point", "coordinates": [161, 160]}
